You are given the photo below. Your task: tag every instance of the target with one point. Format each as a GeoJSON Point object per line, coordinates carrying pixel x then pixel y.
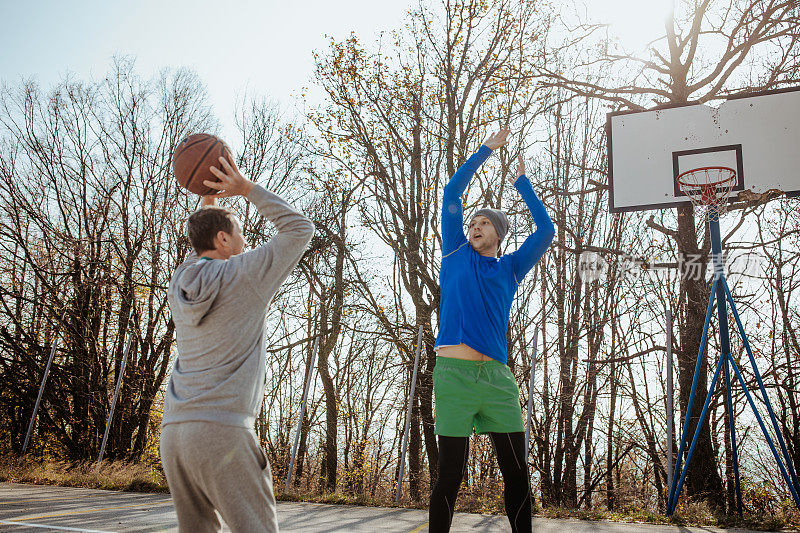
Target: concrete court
{"type": "Point", "coordinates": [44, 508]}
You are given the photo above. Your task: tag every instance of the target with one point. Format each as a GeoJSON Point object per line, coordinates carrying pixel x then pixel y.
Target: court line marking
{"type": "Point", "coordinates": [418, 529]}
{"type": "Point", "coordinates": [46, 526]}
{"type": "Point", "coordinates": [28, 500]}
{"type": "Point", "coordinates": [84, 511]}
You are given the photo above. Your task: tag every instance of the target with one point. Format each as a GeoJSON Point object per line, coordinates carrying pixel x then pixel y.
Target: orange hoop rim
{"type": "Point", "coordinates": [693, 171]}
{"type": "Point", "coordinates": [710, 192]}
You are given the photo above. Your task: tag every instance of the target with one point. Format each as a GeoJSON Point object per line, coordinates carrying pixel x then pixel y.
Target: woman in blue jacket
{"type": "Point", "coordinates": [473, 386]}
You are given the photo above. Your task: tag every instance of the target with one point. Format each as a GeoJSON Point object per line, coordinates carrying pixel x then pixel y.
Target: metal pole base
{"type": "Point", "coordinates": [785, 466]}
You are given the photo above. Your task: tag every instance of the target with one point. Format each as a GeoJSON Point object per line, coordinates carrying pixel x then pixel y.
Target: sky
{"type": "Point", "coordinates": [262, 47]}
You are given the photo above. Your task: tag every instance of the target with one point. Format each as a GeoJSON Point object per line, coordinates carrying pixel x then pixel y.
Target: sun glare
{"type": "Point", "coordinates": [632, 23]}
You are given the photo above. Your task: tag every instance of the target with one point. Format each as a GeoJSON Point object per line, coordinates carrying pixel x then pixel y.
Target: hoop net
{"type": "Point", "coordinates": [708, 188]}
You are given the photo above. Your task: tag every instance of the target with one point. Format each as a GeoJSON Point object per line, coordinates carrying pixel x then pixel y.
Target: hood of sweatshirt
{"type": "Point", "coordinates": [194, 288]}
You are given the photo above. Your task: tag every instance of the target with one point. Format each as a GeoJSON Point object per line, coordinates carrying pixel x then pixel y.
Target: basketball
{"type": "Point", "coordinates": [192, 158]}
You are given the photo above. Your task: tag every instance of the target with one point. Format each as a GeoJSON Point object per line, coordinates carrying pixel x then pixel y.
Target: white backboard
{"type": "Point", "coordinates": [756, 134]}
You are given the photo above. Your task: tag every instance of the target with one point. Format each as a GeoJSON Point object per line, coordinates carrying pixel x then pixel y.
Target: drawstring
{"type": "Point", "coordinates": [481, 368]}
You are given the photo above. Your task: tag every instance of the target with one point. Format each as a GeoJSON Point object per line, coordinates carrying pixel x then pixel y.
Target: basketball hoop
{"type": "Point", "coordinates": [708, 188]}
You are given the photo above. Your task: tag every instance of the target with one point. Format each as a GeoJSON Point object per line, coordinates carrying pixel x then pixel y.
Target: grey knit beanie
{"type": "Point", "coordinates": [497, 218]}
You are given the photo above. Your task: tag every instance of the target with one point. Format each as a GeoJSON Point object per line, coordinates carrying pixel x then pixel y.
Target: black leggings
{"type": "Point", "coordinates": [453, 452]}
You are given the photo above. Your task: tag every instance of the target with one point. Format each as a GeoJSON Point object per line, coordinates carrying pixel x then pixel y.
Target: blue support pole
{"type": "Point", "coordinates": [687, 418]}
{"type": "Point", "coordinates": [763, 389]}
{"type": "Point", "coordinates": [764, 430]}
{"type": "Point", "coordinates": [733, 438]}
{"type": "Point", "coordinates": [722, 293]}
{"type": "Point", "coordinates": [678, 487]}
{"type": "Point", "coordinates": [725, 343]}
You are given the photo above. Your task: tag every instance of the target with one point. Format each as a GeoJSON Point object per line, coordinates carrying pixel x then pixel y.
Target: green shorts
{"type": "Point", "coordinates": [479, 394]}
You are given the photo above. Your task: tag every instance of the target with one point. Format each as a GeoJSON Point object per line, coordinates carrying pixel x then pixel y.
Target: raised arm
{"type": "Point", "coordinates": [535, 244]}
{"type": "Point", "coordinates": [452, 210]}
{"type": "Point", "coordinates": [270, 264]}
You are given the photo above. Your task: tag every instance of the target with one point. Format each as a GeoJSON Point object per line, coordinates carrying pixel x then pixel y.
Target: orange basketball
{"type": "Point", "coordinates": [192, 158]}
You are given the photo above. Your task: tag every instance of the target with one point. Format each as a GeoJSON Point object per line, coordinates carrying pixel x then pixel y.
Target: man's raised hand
{"type": "Point", "coordinates": [496, 140]}
{"type": "Point", "coordinates": [520, 166]}
{"type": "Point", "coordinates": [231, 182]}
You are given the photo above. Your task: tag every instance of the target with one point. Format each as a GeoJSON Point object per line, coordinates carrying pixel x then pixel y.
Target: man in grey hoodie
{"type": "Point", "coordinates": [210, 453]}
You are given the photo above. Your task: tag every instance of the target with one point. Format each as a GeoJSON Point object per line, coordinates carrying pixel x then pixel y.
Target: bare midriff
{"type": "Point", "coordinates": [462, 351]}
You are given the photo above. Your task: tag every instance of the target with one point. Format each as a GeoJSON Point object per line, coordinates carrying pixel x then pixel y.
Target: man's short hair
{"type": "Point", "coordinates": [204, 224]}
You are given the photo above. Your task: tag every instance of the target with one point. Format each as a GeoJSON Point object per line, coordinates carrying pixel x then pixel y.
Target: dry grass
{"type": "Point", "coordinates": [696, 514]}
{"type": "Point", "coordinates": [138, 477]}
{"type": "Point", "coordinates": [109, 475]}
{"type": "Point", "coordinates": [782, 516]}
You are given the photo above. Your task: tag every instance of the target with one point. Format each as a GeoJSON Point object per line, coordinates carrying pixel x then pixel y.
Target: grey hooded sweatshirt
{"type": "Point", "coordinates": [219, 307]}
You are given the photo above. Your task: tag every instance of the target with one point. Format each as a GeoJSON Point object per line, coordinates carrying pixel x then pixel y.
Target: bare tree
{"type": "Point", "coordinates": [404, 120]}
{"type": "Point", "coordinates": [709, 51]}
{"type": "Point", "coordinates": [90, 215]}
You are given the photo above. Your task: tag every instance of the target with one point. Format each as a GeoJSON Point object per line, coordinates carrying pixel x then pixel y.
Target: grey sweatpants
{"type": "Point", "coordinates": [214, 467]}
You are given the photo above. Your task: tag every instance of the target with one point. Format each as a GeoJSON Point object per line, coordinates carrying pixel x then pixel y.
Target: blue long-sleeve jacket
{"type": "Point", "coordinates": [477, 291]}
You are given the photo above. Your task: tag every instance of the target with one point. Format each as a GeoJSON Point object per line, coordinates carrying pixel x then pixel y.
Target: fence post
{"type": "Point", "coordinates": [114, 399]}
{"type": "Point", "coordinates": [41, 391]}
{"type": "Point", "coordinates": [670, 419]}
{"type": "Point", "coordinates": [408, 419]}
{"type": "Point", "coordinates": [302, 413]}
{"type": "Point", "coordinates": [530, 395]}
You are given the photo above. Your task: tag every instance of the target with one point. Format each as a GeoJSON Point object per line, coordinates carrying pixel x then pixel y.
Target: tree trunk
{"type": "Point", "coordinates": [331, 415]}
